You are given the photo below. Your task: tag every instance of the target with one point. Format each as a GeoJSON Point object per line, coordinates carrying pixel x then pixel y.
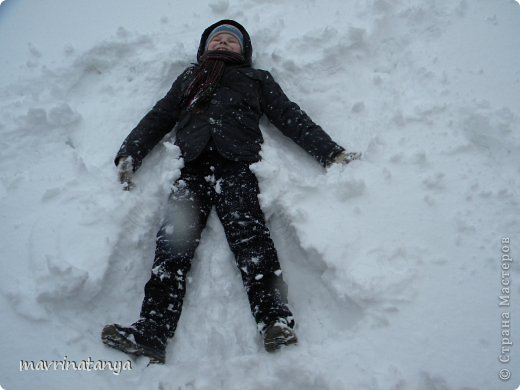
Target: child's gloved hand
{"type": "Point", "coordinates": [346, 157]}
{"type": "Point", "coordinates": [125, 172]}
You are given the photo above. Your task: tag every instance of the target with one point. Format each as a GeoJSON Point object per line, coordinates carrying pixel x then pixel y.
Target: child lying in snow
{"type": "Point", "coordinates": [216, 106]}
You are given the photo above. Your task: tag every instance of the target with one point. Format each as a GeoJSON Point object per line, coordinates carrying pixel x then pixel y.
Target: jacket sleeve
{"type": "Point", "coordinates": [295, 123]}
{"type": "Point", "coordinates": [159, 121]}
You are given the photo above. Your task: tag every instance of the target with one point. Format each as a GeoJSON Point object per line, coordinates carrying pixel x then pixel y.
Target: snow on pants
{"type": "Point", "coordinates": [233, 189]}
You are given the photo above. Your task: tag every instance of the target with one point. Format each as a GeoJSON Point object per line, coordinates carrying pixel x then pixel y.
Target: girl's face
{"type": "Point", "coordinates": [225, 41]}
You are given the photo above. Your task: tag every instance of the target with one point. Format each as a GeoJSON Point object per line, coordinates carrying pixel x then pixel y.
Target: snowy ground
{"type": "Point", "coordinates": [393, 262]}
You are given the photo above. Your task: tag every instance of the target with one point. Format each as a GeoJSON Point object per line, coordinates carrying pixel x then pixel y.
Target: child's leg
{"type": "Point", "coordinates": [188, 209]}
{"type": "Point", "coordinates": [248, 236]}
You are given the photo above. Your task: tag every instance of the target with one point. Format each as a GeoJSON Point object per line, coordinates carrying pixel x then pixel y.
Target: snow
{"type": "Point", "coordinates": [393, 262]}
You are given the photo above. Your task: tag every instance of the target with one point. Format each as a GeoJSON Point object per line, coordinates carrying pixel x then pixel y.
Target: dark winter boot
{"type": "Point", "coordinates": [130, 341]}
{"type": "Point", "coordinates": [278, 334]}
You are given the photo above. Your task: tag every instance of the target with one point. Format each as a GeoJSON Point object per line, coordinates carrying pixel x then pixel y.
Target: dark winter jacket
{"type": "Point", "coordinates": [231, 118]}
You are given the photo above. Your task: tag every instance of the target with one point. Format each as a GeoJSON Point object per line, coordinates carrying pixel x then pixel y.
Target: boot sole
{"type": "Point", "coordinates": [111, 336]}
{"type": "Point", "coordinates": [276, 343]}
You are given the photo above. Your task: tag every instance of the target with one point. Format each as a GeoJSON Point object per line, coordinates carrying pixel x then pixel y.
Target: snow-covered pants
{"type": "Point", "coordinates": [233, 189]}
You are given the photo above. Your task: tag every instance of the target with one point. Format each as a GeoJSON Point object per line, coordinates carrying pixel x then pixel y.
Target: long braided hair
{"type": "Point", "coordinates": [207, 77]}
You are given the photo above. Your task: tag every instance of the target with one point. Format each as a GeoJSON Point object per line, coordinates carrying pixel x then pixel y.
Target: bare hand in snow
{"type": "Point", "coordinates": [125, 171]}
{"type": "Point", "coordinates": [346, 157]}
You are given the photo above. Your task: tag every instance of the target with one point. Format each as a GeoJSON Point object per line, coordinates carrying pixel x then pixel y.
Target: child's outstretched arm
{"type": "Point", "coordinates": [154, 126]}
{"type": "Point", "coordinates": [297, 125]}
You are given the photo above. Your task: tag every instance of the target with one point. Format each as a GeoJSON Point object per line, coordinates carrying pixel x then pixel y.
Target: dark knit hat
{"type": "Point", "coordinates": [229, 29]}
